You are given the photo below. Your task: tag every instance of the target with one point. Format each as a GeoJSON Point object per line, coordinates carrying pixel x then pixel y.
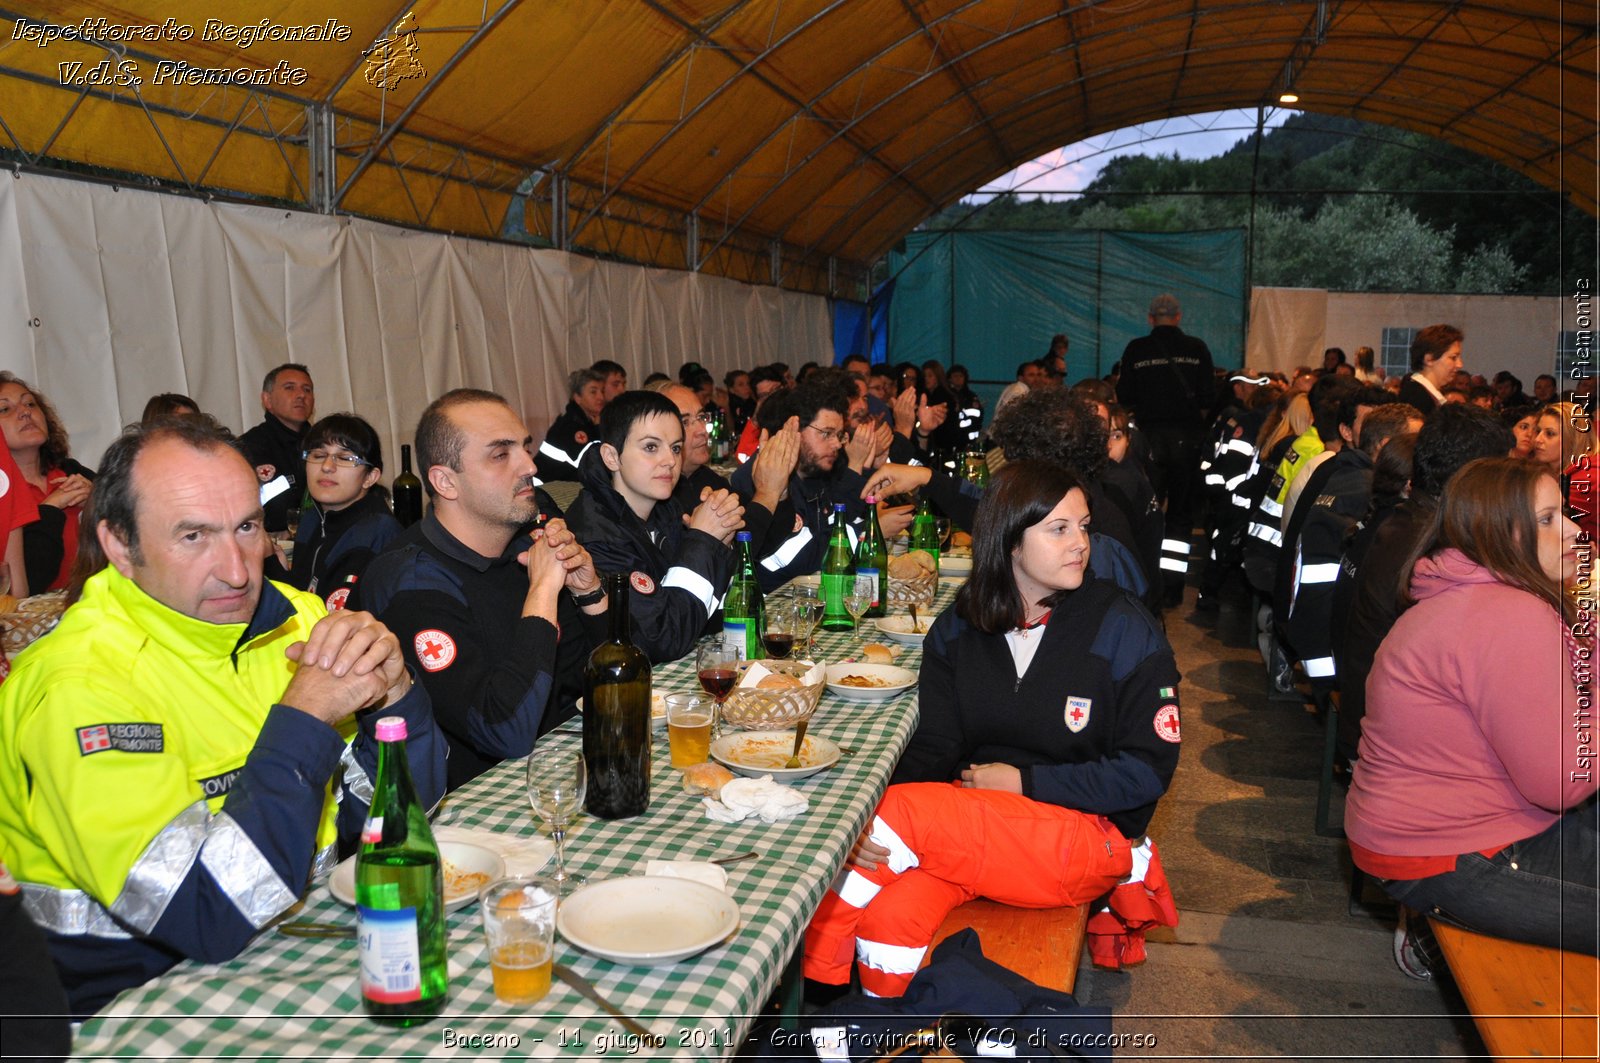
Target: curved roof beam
{"type": "Point", "coordinates": [750, 70]}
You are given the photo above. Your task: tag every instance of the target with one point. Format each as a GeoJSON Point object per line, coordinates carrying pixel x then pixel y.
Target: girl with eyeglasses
{"type": "Point", "coordinates": [348, 522]}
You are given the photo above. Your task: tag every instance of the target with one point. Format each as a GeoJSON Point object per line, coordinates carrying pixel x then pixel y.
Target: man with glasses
{"type": "Point", "coordinates": [829, 468]}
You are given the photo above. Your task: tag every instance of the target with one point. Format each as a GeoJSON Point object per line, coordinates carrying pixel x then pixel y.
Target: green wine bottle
{"type": "Point", "coordinates": [741, 608]}
{"type": "Point", "coordinates": [924, 533]}
{"type": "Point", "coordinates": [407, 492]}
{"type": "Point", "coordinates": [616, 715]}
{"type": "Point", "coordinates": [399, 895]}
{"type": "Point", "coordinates": [838, 573]}
{"type": "Point", "coordinates": [872, 559]}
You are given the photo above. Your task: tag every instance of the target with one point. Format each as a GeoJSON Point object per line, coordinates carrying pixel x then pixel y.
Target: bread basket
{"type": "Point", "coordinates": [754, 709]}
{"type": "Point", "coordinates": [918, 590]}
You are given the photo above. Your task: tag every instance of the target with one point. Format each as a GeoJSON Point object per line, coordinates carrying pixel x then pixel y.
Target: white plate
{"type": "Point", "coordinates": [758, 753]}
{"type": "Point", "coordinates": [468, 859]}
{"type": "Point", "coordinates": [899, 680]}
{"type": "Point", "coordinates": [646, 921]}
{"type": "Point", "coordinates": [954, 566]}
{"type": "Point", "coordinates": [899, 629]}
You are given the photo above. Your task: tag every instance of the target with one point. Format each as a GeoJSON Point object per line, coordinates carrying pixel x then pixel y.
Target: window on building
{"type": "Point", "coordinates": [1395, 357]}
{"type": "Point", "coordinates": [1575, 354]}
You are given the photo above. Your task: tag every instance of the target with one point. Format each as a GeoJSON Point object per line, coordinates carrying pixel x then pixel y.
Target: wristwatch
{"type": "Point", "coordinates": [593, 597]}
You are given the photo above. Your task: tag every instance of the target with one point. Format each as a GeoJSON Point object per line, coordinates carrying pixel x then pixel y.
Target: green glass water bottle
{"type": "Point", "coordinates": [399, 895]}
{"type": "Point", "coordinates": [741, 608]}
{"type": "Point", "coordinates": [872, 559]}
{"type": "Point", "coordinates": [838, 573]}
{"type": "Point", "coordinates": [924, 533]}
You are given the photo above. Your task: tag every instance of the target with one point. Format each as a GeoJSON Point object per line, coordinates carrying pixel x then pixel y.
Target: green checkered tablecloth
{"type": "Point", "coordinates": [293, 997]}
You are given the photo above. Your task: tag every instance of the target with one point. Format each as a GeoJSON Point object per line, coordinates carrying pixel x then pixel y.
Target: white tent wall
{"type": "Point", "coordinates": [1292, 326]}
{"type": "Point", "coordinates": [110, 295]}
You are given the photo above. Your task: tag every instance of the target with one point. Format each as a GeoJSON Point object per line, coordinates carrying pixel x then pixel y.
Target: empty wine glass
{"type": "Point", "coordinates": [857, 600]}
{"type": "Point", "coordinates": [941, 528]}
{"type": "Point", "coordinates": [557, 780]}
{"type": "Point", "coordinates": [808, 610]}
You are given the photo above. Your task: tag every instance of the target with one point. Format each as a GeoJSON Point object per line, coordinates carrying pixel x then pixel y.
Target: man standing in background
{"type": "Point", "coordinates": [1166, 382]}
{"type": "Point", "coordinates": [273, 446]}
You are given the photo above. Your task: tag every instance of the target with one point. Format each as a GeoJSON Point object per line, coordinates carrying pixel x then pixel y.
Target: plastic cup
{"type": "Point", "coordinates": [519, 921]}
{"type": "Point", "coordinates": [689, 719]}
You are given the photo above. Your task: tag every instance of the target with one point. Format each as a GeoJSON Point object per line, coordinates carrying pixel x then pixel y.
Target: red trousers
{"type": "Point", "coordinates": [948, 845]}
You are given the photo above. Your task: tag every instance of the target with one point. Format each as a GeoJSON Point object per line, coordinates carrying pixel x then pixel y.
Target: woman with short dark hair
{"type": "Point", "coordinates": [348, 522]}
{"type": "Point", "coordinates": [1473, 798]}
{"type": "Point", "coordinates": [1049, 729]}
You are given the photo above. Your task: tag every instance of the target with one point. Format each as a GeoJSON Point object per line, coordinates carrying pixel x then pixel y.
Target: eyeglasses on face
{"type": "Point", "coordinates": [702, 417]}
{"type": "Point", "coordinates": [319, 457]}
{"type": "Point", "coordinates": [828, 434]}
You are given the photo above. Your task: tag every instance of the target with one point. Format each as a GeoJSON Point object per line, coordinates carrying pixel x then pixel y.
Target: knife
{"type": "Point", "coordinates": [588, 991]}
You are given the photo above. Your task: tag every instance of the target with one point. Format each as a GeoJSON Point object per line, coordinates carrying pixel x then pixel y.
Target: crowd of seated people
{"type": "Point", "coordinates": [476, 621]}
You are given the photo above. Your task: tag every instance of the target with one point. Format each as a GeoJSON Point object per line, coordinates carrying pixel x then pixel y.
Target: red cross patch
{"type": "Point", "coordinates": [435, 649]}
{"type": "Point", "coordinates": [1167, 723]}
{"type": "Point", "coordinates": [93, 739]}
{"type": "Point", "coordinates": [1077, 713]}
{"type": "Point", "coordinates": [581, 437]}
{"type": "Point", "coordinates": [642, 583]}
{"type": "Point", "coordinates": [337, 599]}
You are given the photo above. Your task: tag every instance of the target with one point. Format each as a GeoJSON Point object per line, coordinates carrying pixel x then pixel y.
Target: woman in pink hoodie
{"type": "Point", "coordinates": [1473, 798]}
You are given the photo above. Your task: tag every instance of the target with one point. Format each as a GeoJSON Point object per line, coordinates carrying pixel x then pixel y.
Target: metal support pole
{"type": "Point", "coordinates": [559, 236]}
{"type": "Point", "coordinates": [776, 253]}
{"type": "Point", "coordinates": [691, 237]}
{"type": "Point", "coordinates": [323, 182]}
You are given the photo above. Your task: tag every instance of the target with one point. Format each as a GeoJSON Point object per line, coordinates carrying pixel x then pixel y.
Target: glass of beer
{"type": "Point", "coordinates": [519, 921]}
{"type": "Point", "coordinates": [689, 728]}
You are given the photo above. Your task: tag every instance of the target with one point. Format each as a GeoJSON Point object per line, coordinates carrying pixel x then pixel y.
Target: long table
{"type": "Point", "coordinates": [296, 997]}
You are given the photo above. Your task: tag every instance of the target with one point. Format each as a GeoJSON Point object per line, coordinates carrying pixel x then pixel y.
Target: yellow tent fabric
{"type": "Point", "coordinates": [788, 141]}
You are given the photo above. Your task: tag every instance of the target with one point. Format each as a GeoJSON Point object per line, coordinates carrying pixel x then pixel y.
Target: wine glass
{"type": "Point", "coordinates": [717, 666]}
{"type": "Point", "coordinates": [557, 780]}
{"type": "Point", "coordinates": [778, 637]}
{"type": "Point", "coordinates": [808, 611]}
{"type": "Point", "coordinates": [857, 600]}
{"type": "Point", "coordinates": [941, 528]}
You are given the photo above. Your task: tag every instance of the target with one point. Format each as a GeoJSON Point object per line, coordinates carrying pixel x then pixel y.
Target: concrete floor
{"type": "Point", "coordinates": [1266, 962]}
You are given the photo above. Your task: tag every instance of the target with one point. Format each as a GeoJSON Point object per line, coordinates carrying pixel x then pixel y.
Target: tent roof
{"type": "Point", "coordinates": [787, 140]}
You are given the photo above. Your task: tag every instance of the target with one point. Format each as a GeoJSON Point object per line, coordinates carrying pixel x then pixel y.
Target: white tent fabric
{"type": "Point", "coordinates": [110, 295]}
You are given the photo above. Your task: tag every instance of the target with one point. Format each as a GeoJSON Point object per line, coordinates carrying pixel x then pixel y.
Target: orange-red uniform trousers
{"type": "Point", "coordinates": [946, 846]}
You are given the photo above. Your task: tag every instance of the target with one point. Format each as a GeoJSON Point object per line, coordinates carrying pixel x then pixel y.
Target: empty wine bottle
{"type": "Point", "coordinates": [616, 715]}
{"type": "Point", "coordinates": [407, 491]}
{"type": "Point", "coordinates": [399, 895]}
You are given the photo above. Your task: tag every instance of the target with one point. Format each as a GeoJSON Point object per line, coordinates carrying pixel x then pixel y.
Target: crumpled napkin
{"type": "Point", "coordinates": [695, 870]}
{"type": "Point", "coordinates": [523, 856]}
{"type": "Point", "coordinates": [764, 797]}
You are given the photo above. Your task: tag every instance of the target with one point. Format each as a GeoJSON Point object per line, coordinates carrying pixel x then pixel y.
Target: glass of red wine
{"type": "Point", "coordinates": [718, 668]}
{"type": "Point", "coordinates": [778, 637]}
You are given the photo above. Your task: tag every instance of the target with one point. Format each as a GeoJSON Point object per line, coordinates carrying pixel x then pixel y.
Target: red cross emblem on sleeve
{"type": "Point", "coordinates": [1167, 723]}
{"type": "Point", "coordinates": [435, 649]}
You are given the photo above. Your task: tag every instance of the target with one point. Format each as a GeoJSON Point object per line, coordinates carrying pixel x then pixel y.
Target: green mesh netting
{"type": "Point", "coordinates": [991, 299]}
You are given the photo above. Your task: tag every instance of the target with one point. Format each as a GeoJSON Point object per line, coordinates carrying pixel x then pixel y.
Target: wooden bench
{"type": "Point", "coordinates": [1042, 944]}
{"type": "Point", "coordinates": [1525, 1000]}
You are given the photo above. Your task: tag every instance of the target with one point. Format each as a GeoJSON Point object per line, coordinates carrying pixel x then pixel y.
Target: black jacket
{"type": "Point", "coordinates": [332, 550]}
{"type": "Point", "coordinates": [1166, 378]}
{"type": "Point", "coordinates": [497, 679]}
{"type": "Point", "coordinates": [1341, 499]}
{"type": "Point", "coordinates": [1417, 395]}
{"type": "Point", "coordinates": [274, 443]}
{"type": "Point", "coordinates": [797, 537]}
{"type": "Point", "coordinates": [678, 576]}
{"type": "Point", "coordinates": [557, 458]}
{"type": "Point", "coordinates": [1104, 656]}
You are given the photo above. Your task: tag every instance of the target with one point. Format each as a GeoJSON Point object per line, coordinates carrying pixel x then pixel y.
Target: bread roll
{"type": "Point", "coordinates": [707, 778]}
{"type": "Point", "coordinates": [912, 565]}
{"type": "Point", "coordinates": [778, 681]}
{"type": "Point", "coordinates": [877, 653]}
{"type": "Point", "coordinates": [960, 538]}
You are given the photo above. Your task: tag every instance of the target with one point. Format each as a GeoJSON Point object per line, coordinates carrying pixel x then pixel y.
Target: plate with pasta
{"type": "Point", "coordinates": [467, 869]}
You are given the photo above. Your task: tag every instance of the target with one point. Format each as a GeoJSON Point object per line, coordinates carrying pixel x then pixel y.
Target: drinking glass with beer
{"type": "Point", "coordinates": [519, 921]}
{"type": "Point", "coordinates": [689, 728]}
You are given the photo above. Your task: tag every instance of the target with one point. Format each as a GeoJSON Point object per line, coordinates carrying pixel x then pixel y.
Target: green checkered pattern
{"type": "Point", "coordinates": [286, 996]}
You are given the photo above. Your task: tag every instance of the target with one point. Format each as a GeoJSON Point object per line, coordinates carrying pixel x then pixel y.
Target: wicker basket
{"type": "Point", "coordinates": [919, 590]}
{"type": "Point", "coordinates": [750, 709]}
